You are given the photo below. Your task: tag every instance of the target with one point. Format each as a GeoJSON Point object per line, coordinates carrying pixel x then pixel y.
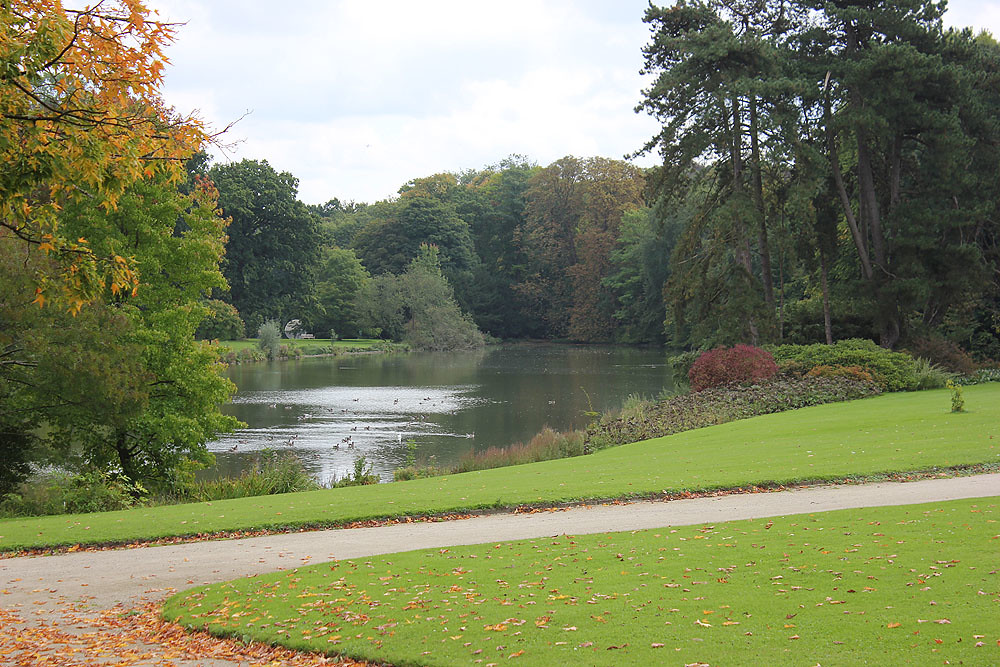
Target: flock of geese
{"type": "Point", "coordinates": [348, 441]}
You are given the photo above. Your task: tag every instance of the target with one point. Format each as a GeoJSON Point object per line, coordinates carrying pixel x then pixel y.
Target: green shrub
{"type": "Point", "coordinates": [853, 372]}
{"type": "Point", "coordinates": [221, 323]}
{"type": "Point", "coordinates": [930, 375]}
{"type": "Point", "coordinates": [980, 376]}
{"type": "Point", "coordinates": [790, 368]}
{"type": "Point", "coordinates": [723, 404]}
{"type": "Point", "coordinates": [249, 354]}
{"type": "Point", "coordinates": [66, 493]}
{"type": "Point", "coordinates": [15, 454]}
{"type": "Point", "coordinates": [943, 353]}
{"type": "Point", "coordinates": [898, 371]}
{"type": "Point", "coordinates": [269, 339]}
{"type": "Point", "coordinates": [680, 365]}
{"type": "Point", "coordinates": [957, 402]}
{"type": "Point", "coordinates": [270, 473]}
{"type": "Point", "coordinates": [362, 475]}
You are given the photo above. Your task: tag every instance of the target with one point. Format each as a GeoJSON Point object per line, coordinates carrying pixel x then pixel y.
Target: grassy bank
{"type": "Point", "coordinates": [893, 585]}
{"type": "Point", "coordinates": [307, 345]}
{"type": "Point", "coordinates": [890, 433]}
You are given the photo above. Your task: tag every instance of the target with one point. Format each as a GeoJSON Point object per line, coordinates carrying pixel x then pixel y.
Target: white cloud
{"type": "Point", "coordinates": [355, 97]}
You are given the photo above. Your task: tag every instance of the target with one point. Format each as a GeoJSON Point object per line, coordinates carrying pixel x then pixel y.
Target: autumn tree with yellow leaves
{"type": "Point", "coordinates": [105, 261]}
{"type": "Point", "coordinates": [82, 120]}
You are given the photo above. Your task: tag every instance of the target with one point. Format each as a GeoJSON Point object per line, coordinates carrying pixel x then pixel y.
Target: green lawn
{"type": "Point", "coordinates": [917, 584]}
{"type": "Point", "coordinates": [303, 344]}
{"type": "Point", "coordinates": [890, 433]}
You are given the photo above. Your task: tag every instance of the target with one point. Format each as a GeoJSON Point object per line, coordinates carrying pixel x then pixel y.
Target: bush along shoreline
{"type": "Point", "coordinates": [252, 353]}
{"type": "Point", "coordinates": [718, 405]}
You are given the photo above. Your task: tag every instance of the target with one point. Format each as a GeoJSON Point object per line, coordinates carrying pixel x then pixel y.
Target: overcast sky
{"type": "Point", "coordinates": [356, 97]}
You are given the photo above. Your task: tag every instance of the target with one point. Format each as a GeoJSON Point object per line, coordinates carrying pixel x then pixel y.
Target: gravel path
{"type": "Point", "coordinates": [100, 580]}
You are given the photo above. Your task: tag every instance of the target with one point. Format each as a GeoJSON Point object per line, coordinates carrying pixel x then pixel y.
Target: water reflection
{"type": "Point", "coordinates": [329, 411]}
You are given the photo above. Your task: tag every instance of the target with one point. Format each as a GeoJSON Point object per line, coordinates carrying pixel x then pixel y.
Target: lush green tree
{"type": "Point", "coordinates": [390, 243]}
{"type": "Point", "coordinates": [857, 121]}
{"type": "Point", "coordinates": [339, 277]}
{"type": "Point", "coordinates": [494, 206]}
{"type": "Point", "coordinates": [641, 267]}
{"type": "Point", "coordinates": [419, 307]}
{"type": "Point", "coordinates": [718, 83]}
{"type": "Point", "coordinates": [82, 120]}
{"type": "Point", "coordinates": [274, 242]}
{"type": "Point", "coordinates": [222, 322]}
{"type": "Point", "coordinates": [340, 221]}
{"type": "Point", "coordinates": [123, 385]}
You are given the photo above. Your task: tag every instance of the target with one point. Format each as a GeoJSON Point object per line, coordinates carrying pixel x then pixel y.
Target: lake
{"type": "Point", "coordinates": [330, 410]}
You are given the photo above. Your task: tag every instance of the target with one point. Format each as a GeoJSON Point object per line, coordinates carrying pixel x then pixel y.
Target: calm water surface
{"type": "Point", "coordinates": [330, 410]}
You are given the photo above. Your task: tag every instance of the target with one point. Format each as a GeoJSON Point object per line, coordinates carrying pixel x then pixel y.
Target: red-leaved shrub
{"type": "Point", "coordinates": [743, 364]}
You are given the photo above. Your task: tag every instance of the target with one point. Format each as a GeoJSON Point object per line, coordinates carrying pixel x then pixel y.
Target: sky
{"type": "Point", "coordinates": [355, 97]}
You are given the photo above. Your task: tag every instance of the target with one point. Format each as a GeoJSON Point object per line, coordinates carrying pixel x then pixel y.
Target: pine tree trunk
{"type": "Point", "coordinates": [825, 287]}
{"type": "Point", "coordinates": [758, 196]}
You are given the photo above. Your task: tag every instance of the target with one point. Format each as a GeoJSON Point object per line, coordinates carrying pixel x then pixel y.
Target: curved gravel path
{"type": "Point", "coordinates": [102, 579]}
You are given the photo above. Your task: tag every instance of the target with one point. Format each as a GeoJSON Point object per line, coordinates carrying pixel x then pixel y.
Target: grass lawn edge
{"type": "Point", "coordinates": [462, 513]}
{"type": "Point", "coordinates": [765, 453]}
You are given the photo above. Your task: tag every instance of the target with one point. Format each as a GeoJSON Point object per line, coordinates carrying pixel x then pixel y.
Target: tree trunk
{"type": "Point", "coordinates": [742, 240]}
{"type": "Point", "coordinates": [825, 287]}
{"type": "Point", "coordinates": [126, 456]}
{"type": "Point", "coordinates": [758, 196]}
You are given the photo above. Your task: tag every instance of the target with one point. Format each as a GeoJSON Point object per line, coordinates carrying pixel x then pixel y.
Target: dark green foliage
{"type": "Point", "coordinates": [339, 277]}
{"type": "Point", "coordinates": [944, 353]}
{"type": "Point", "coordinates": [389, 244]}
{"type": "Point", "coordinates": [269, 339]}
{"type": "Point", "coordinates": [418, 307]}
{"type": "Point", "coordinates": [493, 202]}
{"type": "Point", "coordinates": [894, 371]}
{"type": "Point", "coordinates": [221, 323]}
{"type": "Point", "coordinates": [271, 472]}
{"type": "Point", "coordinates": [15, 452]}
{"type": "Point", "coordinates": [842, 158]}
{"type": "Point", "coordinates": [63, 493]}
{"type": "Point", "coordinates": [274, 242]}
{"type": "Point", "coordinates": [721, 405]}
{"type": "Point", "coordinates": [639, 274]}
{"type": "Point", "coordinates": [680, 365]}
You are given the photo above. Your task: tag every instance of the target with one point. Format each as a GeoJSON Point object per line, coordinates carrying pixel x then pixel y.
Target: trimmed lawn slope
{"type": "Point", "coordinates": [891, 433]}
{"type": "Point", "coordinates": [894, 585]}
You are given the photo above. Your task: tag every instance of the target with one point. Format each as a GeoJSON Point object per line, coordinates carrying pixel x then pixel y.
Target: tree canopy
{"type": "Point", "coordinates": [83, 120]}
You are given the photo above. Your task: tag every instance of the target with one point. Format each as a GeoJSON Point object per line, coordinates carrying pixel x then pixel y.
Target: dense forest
{"type": "Point", "coordinates": [829, 170]}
